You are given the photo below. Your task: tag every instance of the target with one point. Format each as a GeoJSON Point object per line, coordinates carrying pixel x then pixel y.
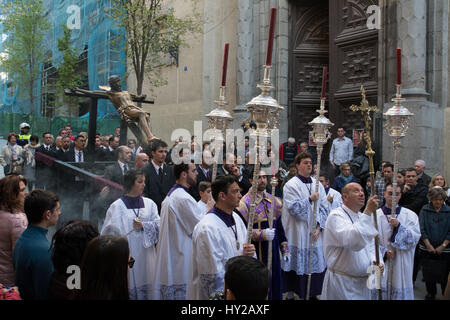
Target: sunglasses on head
{"type": "Point", "coordinates": [131, 262]}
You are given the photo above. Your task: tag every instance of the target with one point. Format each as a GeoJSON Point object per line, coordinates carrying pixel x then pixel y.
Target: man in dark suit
{"type": "Point", "coordinates": [66, 143]}
{"type": "Point", "coordinates": [204, 171]}
{"type": "Point", "coordinates": [45, 174]}
{"type": "Point", "coordinates": [229, 166]}
{"type": "Point", "coordinates": [116, 171]}
{"type": "Point", "coordinates": [110, 153]}
{"type": "Point", "coordinates": [423, 178]}
{"type": "Point", "coordinates": [159, 177]}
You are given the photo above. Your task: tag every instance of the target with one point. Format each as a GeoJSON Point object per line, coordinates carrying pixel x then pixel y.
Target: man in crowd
{"type": "Point", "coordinates": [348, 246]}
{"type": "Point", "coordinates": [158, 175]}
{"type": "Point", "coordinates": [219, 236]}
{"type": "Point", "coordinates": [420, 167]}
{"type": "Point", "coordinates": [262, 234]}
{"type": "Point", "coordinates": [299, 195]}
{"type": "Point", "coordinates": [399, 234]}
{"type": "Point", "coordinates": [414, 197]}
{"type": "Point", "coordinates": [334, 198]}
{"type": "Point", "coordinates": [24, 136]}
{"type": "Point", "coordinates": [141, 161]}
{"type": "Point", "coordinates": [341, 151]}
{"type": "Point", "coordinates": [344, 177]}
{"type": "Point", "coordinates": [380, 184]}
{"type": "Point", "coordinates": [110, 153]}
{"type": "Point", "coordinates": [245, 279]}
{"type": "Point", "coordinates": [32, 261]}
{"type": "Point", "coordinates": [288, 151]}
{"type": "Point", "coordinates": [179, 215]}
{"type": "Point", "coordinates": [60, 154]}
{"type": "Point", "coordinates": [44, 174]}
{"type": "Point", "coordinates": [115, 172]}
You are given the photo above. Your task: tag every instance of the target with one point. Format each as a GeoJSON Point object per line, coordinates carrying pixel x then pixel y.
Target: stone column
{"type": "Point", "coordinates": [245, 76]}
{"type": "Point", "coordinates": [424, 137]}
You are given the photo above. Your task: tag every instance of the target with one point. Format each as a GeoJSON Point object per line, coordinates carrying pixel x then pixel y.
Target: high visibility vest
{"type": "Point", "coordinates": [24, 136]}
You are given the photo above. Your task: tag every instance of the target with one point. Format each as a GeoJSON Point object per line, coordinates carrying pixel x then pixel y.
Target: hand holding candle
{"type": "Point", "coordinates": [224, 64]}
{"type": "Point", "coordinates": [273, 13]}
{"type": "Point", "coordinates": [324, 82]}
{"type": "Point", "coordinates": [399, 66]}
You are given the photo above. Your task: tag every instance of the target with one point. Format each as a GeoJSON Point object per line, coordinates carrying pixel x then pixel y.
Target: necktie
{"type": "Point", "coordinates": [160, 173]}
{"type": "Point", "coordinates": [80, 155]}
{"type": "Point", "coordinates": [125, 168]}
{"type": "Point", "coordinates": [208, 174]}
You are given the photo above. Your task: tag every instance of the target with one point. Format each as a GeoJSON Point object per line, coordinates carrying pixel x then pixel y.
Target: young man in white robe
{"type": "Point", "coordinates": [299, 195]}
{"type": "Point", "coordinates": [136, 218]}
{"type": "Point", "coordinates": [349, 248]}
{"type": "Point", "coordinates": [399, 235]}
{"type": "Point", "coordinates": [179, 215]}
{"type": "Point", "coordinates": [334, 198]}
{"type": "Point", "coordinates": [219, 236]}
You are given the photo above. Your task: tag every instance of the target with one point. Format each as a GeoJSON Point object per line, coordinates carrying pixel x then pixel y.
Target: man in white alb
{"type": "Point", "coordinates": [348, 246]}
{"type": "Point", "coordinates": [179, 215]}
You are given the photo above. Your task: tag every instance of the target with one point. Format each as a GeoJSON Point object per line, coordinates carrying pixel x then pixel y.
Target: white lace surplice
{"type": "Point", "coordinates": [404, 244]}
{"type": "Point", "coordinates": [141, 242]}
{"type": "Point", "coordinates": [296, 217]}
{"type": "Point", "coordinates": [179, 215]}
{"type": "Point", "coordinates": [213, 244]}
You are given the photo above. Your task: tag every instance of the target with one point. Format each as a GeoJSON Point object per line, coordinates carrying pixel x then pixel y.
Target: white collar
{"type": "Point", "coordinates": [156, 166]}
{"type": "Point", "coordinates": [350, 211]}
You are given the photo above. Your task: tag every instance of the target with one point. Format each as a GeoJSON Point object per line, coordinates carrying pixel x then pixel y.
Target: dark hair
{"type": "Point", "coordinates": [34, 138]}
{"type": "Point", "coordinates": [111, 139]}
{"type": "Point", "coordinates": [37, 202]}
{"type": "Point", "coordinates": [157, 144]}
{"type": "Point", "coordinates": [402, 172]}
{"type": "Point", "coordinates": [390, 184]}
{"type": "Point", "coordinates": [203, 185]}
{"type": "Point", "coordinates": [129, 178]}
{"type": "Point", "coordinates": [79, 136]}
{"type": "Point", "coordinates": [47, 132]}
{"type": "Point", "coordinates": [247, 278]}
{"type": "Point", "coordinates": [70, 242]}
{"type": "Point", "coordinates": [411, 169]}
{"type": "Point", "coordinates": [131, 140]}
{"type": "Point", "coordinates": [388, 165]}
{"type": "Point", "coordinates": [104, 269]}
{"type": "Point", "coordinates": [301, 156]}
{"type": "Point", "coordinates": [9, 192]}
{"type": "Point", "coordinates": [325, 176]}
{"type": "Point", "coordinates": [180, 168]}
{"type": "Point", "coordinates": [222, 184]}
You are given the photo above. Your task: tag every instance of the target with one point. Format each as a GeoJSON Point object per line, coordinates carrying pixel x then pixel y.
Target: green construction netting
{"type": "Point", "coordinates": [95, 33]}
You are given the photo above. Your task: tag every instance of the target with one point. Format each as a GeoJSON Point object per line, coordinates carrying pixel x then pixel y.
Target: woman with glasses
{"type": "Point", "coordinates": [105, 268]}
{"type": "Point", "coordinates": [136, 218]}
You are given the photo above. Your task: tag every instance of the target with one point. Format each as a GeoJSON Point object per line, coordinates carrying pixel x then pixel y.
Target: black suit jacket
{"type": "Point", "coordinates": [415, 198]}
{"type": "Point", "coordinates": [42, 171]}
{"type": "Point", "coordinates": [200, 177]}
{"type": "Point", "coordinates": [155, 187]}
{"type": "Point", "coordinates": [425, 179]}
{"type": "Point", "coordinates": [114, 173]}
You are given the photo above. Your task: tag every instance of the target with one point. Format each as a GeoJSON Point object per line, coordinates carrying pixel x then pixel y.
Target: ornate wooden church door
{"type": "Point", "coordinates": [332, 33]}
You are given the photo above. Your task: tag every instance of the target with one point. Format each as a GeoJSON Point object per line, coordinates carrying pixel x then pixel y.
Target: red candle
{"type": "Point", "coordinates": [273, 16]}
{"type": "Point", "coordinates": [324, 82]}
{"type": "Point", "coordinates": [399, 66]}
{"type": "Point", "coordinates": [224, 64]}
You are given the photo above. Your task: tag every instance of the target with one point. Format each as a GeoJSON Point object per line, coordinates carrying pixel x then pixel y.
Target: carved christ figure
{"type": "Point", "coordinates": [123, 102]}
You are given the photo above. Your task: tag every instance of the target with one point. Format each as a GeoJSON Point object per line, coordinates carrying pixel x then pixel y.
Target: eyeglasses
{"type": "Point", "coordinates": [131, 262]}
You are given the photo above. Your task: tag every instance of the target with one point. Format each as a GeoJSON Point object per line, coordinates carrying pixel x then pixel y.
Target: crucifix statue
{"type": "Point", "coordinates": [134, 116]}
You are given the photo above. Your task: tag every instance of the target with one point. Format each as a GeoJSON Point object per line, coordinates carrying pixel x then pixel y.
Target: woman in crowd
{"type": "Point", "coordinates": [434, 219]}
{"type": "Point", "coordinates": [439, 180]}
{"type": "Point", "coordinates": [13, 222]}
{"type": "Point", "coordinates": [29, 168]}
{"type": "Point", "coordinates": [104, 269]}
{"type": "Point", "coordinates": [137, 219]}
{"type": "Point", "coordinates": [11, 156]}
{"type": "Point", "coordinates": [68, 246]}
